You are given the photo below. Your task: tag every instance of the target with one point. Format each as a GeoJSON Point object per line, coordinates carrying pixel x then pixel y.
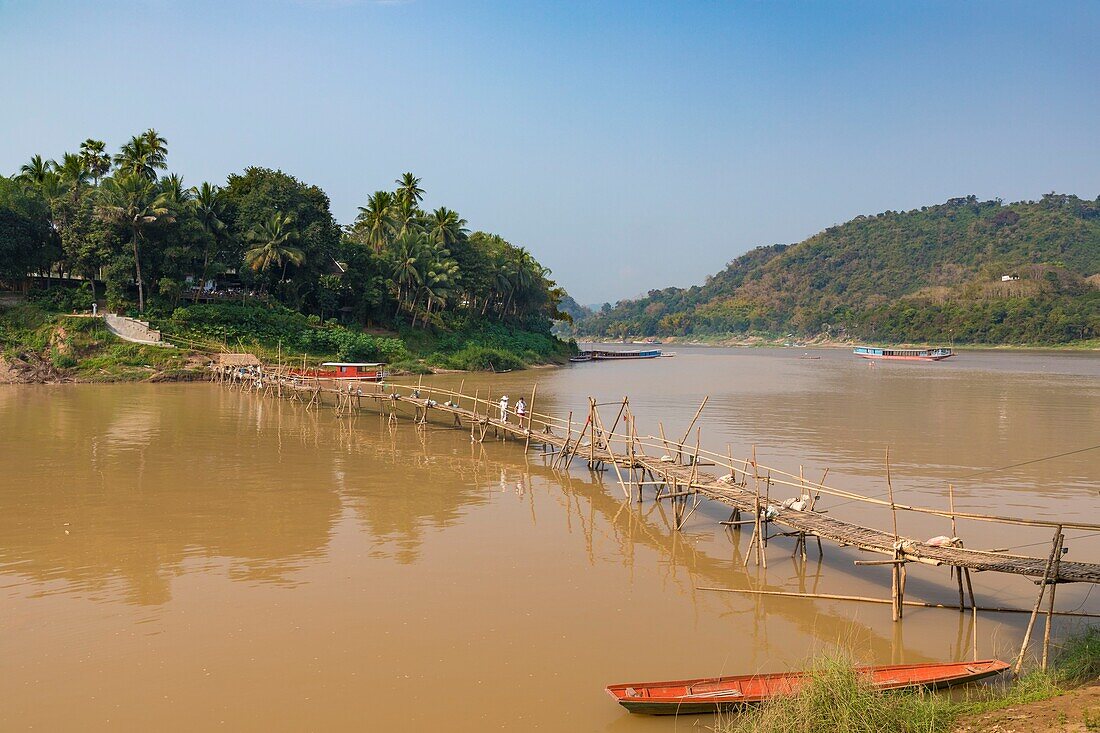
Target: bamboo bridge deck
{"type": "Point", "coordinates": [674, 474]}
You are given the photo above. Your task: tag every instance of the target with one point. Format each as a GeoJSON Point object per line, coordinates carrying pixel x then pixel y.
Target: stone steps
{"type": "Point", "coordinates": [133, 330]}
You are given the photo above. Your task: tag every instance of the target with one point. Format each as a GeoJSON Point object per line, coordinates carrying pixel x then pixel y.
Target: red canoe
{"type": "Point", "coordinates": [708, 695]}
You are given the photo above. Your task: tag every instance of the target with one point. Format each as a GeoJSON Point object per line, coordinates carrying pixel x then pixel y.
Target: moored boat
{"type": "Point", "coordinates": [873, 352]}
{"type": "Point", "coordinates": [599, 355]}
{"type": "Point", "coordinates": [359, 371]}
{"type": "Point", "coordinates": [711, 694]}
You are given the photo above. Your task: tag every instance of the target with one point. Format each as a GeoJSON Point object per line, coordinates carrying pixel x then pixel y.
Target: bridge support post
{"type": "Point", "coordinates": [1055, 551]}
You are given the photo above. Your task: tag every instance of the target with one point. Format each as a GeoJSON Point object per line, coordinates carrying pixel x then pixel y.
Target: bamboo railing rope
{"type": "Point", "coordinates": [795, 483]}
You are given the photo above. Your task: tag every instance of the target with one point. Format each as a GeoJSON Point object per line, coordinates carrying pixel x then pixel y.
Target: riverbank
{"type": "Point", "coordinates": [39, 344]}
{"type": "Point", "coordinates": [837, 700]}
{"type": "Point", "coordinates": [827, 343]}
{"type": "Point", "coordinates": [1075, 711]}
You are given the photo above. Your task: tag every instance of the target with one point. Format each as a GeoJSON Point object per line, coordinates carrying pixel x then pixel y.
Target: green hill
{"type": "Point", "coordinates": [930, 274]}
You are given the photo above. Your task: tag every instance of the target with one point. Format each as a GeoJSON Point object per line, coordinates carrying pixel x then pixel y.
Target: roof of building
{"type": "Point", "coordinates": [237, 360]}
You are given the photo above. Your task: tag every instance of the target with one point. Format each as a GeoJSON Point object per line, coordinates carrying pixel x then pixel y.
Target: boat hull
{"type": "Point", "coordinates": [714, 694]}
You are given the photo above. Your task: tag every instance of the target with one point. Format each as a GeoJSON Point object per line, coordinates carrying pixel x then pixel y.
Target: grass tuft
{"type": "Point", "coordinates": [1078, 658]}
{"type": "Point", "coordinates": [836, 700]}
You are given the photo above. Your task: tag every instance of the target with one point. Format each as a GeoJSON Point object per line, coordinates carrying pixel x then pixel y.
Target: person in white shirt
{"type": "Point", "coordinates": [504, 408]}
{"type": "Point", "coordinates": [521, 410]}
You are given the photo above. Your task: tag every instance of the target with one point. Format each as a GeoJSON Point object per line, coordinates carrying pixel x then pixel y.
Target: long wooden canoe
{"type": "Point", "coordinates": [710, 694]}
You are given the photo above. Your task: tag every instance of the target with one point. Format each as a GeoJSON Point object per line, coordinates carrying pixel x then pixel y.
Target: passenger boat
{"type": "Point", "coordinates": [873, 352]}
{"type": "Point", "coordinates": [712, 694]}
{"type": "Point", "coordinates": [613, 355]}
{"type": "Point", "coordinates": [358, 371]}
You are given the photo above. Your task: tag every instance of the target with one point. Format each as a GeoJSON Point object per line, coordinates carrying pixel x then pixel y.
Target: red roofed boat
{"type": "Point", "coordinates": [359, 371]}
{"type": "Point", "coordinates": [711, 694]}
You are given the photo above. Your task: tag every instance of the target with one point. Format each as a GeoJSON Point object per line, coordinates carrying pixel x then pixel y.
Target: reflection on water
{"type": "Point", "coordinates": [176, 556]}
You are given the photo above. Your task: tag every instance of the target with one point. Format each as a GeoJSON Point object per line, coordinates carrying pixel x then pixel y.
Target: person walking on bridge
{"type": "Point", "coordinates": [504, 408]}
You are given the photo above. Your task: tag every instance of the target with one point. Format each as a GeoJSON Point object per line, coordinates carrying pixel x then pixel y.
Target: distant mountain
{"type": "Point", "coordinates": [966, 271]}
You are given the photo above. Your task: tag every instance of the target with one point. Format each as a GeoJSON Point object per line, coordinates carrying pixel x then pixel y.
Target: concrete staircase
{"type": "Point", "coordinates": [133, 330]}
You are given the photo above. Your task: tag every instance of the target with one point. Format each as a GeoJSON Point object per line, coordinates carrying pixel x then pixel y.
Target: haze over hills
{"type": "Point", "coordinates": [965, 271]}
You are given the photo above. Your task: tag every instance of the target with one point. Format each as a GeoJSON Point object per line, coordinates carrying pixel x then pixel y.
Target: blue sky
{"type": "Point", "coordinates": [629, 145]}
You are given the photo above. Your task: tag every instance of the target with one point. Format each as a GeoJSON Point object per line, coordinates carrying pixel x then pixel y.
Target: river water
{"type": "Point", "coordinates": [186, 557]}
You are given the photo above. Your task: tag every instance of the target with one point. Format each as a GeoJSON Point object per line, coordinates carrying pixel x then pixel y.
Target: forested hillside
{"type": "Point", "coordinates": [930, 274]}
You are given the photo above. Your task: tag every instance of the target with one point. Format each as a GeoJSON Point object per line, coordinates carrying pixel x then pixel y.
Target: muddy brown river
{"type": "Point", "coordinates": [186, 557]}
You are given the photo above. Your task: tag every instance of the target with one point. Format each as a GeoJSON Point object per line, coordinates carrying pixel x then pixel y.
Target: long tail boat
{"type": "Point", "coordinates": [873, 352]}
{"type": "Point", "coordinates": [712, 694]}
{"type": "Point", "coordinates": [615, 355]}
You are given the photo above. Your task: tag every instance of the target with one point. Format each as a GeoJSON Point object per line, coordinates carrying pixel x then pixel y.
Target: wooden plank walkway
{"type": "Point", "coordinates": [669, 476]}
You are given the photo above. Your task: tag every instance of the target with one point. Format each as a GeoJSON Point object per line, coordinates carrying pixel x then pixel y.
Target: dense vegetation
{"type": "Point", "coordinates": [932, 274]}
{"type": "Point", "coordinates": [281, 267]}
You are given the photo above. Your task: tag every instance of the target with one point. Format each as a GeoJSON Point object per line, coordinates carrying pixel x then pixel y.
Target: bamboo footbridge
{"type": "Point", "coordinates": [672, 470]}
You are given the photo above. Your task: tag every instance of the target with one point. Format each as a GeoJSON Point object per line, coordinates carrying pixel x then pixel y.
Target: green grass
{"type": "Point", "coordinates": [1078, 658]}
{"type": "Point", "coordinates": [836, 700]}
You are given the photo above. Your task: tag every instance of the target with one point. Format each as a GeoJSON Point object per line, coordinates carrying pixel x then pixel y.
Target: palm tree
{"type": "Point", "coordinates": [376, 221]}
{"type": "Point", "coordinates": [157, 147]}
{"type": "Point", "coordinates": [271, 242]}
{"type": "Point", "coordinates": [441, 277]}
{"type": "Point", "coordinates": [36, 171]}
{"type": "Point", "coordinates": [172, 186]}
{"type": "Point", "coordinates": [96, 160]}
{"type": "Point", "coordinates": [133, 201]}
{"type": "Point", "coordinates": [408, 188]}
{"type": "Point", "coordinates": [445, 227]}
{"type": "Point", "coordinates": [73, 173]}
{"type": "Point", "coordinates": [406, 216]}
{"type": "Point", "coordinates": [207, 204]}
{"type": "Point", "coordinates": [406, 268]}
{"type": "Point", "coordinates": [145, 154]}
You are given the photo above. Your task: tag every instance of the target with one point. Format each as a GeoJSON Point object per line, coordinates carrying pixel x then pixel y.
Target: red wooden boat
{"type": "Point", "coordinates": [711, 694]}
{"type": "Point", "coordinates": [360, 371]}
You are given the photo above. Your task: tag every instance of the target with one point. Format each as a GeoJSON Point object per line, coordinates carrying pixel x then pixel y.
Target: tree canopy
{"type": "Point", "coordinates": [127, 219]}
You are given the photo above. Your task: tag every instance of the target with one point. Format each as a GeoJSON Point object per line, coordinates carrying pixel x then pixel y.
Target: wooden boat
{"type": "Point", "coordinates": [708, 695]}
{"type": "Point", "coordinates": [359, 371]}
{"type": "Point", "coordinates": [873, 352]}
{"type": "Point", "coordinates": [615, 355]}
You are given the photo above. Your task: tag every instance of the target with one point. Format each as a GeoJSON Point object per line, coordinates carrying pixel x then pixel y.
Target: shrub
{"type": "Point", "coordinates": [481, 358]}
{"type": "Point", "coordinates": [63, 299]}
{"type": "Point", "coordinates": [62, 359]}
